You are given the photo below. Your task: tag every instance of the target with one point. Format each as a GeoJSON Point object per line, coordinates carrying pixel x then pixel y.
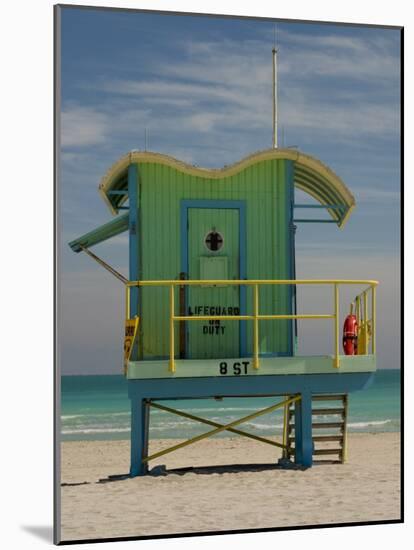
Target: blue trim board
{"type": "Point", "coordinates": [185, 205]}
{"type": "Point", "coordinates": [211, 203]}
{"type": "Point", "coordinates": [243, 275]}
{"type": "Point", "coordinates": [248, 386]}
{"type": "Point", "coordinates": [290, 252]}
{"type": "Point", "coordinates": [315, 221]}
{"type": "Point", "coordinates": [118, 192]}
{"type": "Point", "coordinates": [133, 235]}
{"type": "Point", "coordinates": [327, 206]}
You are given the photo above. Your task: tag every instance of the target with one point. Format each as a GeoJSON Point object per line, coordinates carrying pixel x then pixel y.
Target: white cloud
{"type": "Point", "coordinates": [375, 196]}
{"type": "Point", "coordinates": [227, 86]}
{"type": "Point", "coordinates": [348, 118]}
{"type": "Point", "coordinates": [342, 57]}
{"type": "Point", "coordinates": [83, 126]}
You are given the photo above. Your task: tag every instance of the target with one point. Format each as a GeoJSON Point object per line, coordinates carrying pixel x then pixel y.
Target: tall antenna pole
{"type": "Point", "coordinates": [274, 54]}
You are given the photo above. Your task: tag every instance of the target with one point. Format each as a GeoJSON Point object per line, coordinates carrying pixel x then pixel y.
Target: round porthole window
{"type": "Point", "coordinates": [214, 240]}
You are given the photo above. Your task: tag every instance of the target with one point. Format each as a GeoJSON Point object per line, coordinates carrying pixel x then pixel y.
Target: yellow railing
{"type": "Point", "coordinates": [256, 316]}
{"type": "Point", "coordinates": [366, 324]}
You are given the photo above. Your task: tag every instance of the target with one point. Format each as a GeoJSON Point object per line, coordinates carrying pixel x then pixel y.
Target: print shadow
{"type": "Point", "coordinates": [43, 532]}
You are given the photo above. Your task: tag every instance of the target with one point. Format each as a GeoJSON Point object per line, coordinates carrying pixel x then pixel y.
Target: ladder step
{"type": "Point", "coordinates": [322, 438]}
{"type": "Point", "coordinates": [291, 452]}
{"type": "Point", "coordinates": [328, 411]}
{"type": "Point", "coordinates": [327, 452]}
{"type": "Point", "coordinates": [328, 397]}
{"type": "Point", "coordinates": [318, 425]}
{"type": "Point", "coordinates": [322, 407]}
{"type": "Point", "coordinates": [322, 425]}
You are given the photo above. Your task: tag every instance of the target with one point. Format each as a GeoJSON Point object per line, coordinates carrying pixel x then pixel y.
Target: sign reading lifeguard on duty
{"type": "Point", "coordinates": [131, 327]}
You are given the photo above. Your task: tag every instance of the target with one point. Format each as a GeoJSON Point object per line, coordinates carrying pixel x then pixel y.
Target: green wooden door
{"type": "Point", "coordinates": [213, 253]}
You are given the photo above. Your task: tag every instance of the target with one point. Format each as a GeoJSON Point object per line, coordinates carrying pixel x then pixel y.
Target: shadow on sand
{"type": "Point", "coordinates": [161, 470]}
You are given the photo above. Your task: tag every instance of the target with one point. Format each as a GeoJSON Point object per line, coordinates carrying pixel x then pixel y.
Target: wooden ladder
{"type": "Point", "coordinates": [335, 420]}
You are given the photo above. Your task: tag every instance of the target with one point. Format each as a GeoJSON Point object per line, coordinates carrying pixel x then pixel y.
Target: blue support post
{"type": "Point", "coordinates": [139, 406]}
{"type": "Point", "coordinates": [139, 436]}
{"type": "Point", "coordinates": [303, 430]}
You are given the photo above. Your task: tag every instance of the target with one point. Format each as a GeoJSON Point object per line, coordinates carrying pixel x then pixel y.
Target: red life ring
{"type": "Point", "coordinates": [350, 336]}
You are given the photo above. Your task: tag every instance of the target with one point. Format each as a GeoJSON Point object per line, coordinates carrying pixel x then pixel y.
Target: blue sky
{"type": "Point", "coordinates": [202, 88]}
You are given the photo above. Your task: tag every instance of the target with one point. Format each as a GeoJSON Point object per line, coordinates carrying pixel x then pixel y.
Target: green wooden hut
{"type": "Point", "coordinates": [211, 292]}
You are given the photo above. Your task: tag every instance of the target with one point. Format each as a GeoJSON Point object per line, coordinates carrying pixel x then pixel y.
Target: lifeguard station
{"type": "Point", "coordinates": [211, 295]}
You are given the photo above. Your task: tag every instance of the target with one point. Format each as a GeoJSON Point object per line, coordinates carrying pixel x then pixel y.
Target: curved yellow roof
{"type": "Point", "coordinates": [310, 175]}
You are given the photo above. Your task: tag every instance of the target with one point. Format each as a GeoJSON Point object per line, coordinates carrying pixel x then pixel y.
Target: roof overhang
{"type": "Point", "coordinates": [310, 175]}
{"type": "Point", "coordinates": [101, 233]}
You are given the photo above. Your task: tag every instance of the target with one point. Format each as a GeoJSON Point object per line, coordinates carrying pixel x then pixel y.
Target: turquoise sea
{"type": "Point", "coordinates": [97, 407]}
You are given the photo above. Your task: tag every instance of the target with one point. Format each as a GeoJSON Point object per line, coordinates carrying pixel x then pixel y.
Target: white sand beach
{"type": "Point", "coordinates": [366, 488]}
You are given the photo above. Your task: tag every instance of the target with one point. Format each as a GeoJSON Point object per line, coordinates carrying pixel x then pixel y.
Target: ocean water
{"type": "Point", "coordinates": [97, 407]}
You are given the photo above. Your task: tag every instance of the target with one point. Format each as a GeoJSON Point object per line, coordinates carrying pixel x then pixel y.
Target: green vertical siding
{"type": "Point", "coordinates": [265, 188]}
